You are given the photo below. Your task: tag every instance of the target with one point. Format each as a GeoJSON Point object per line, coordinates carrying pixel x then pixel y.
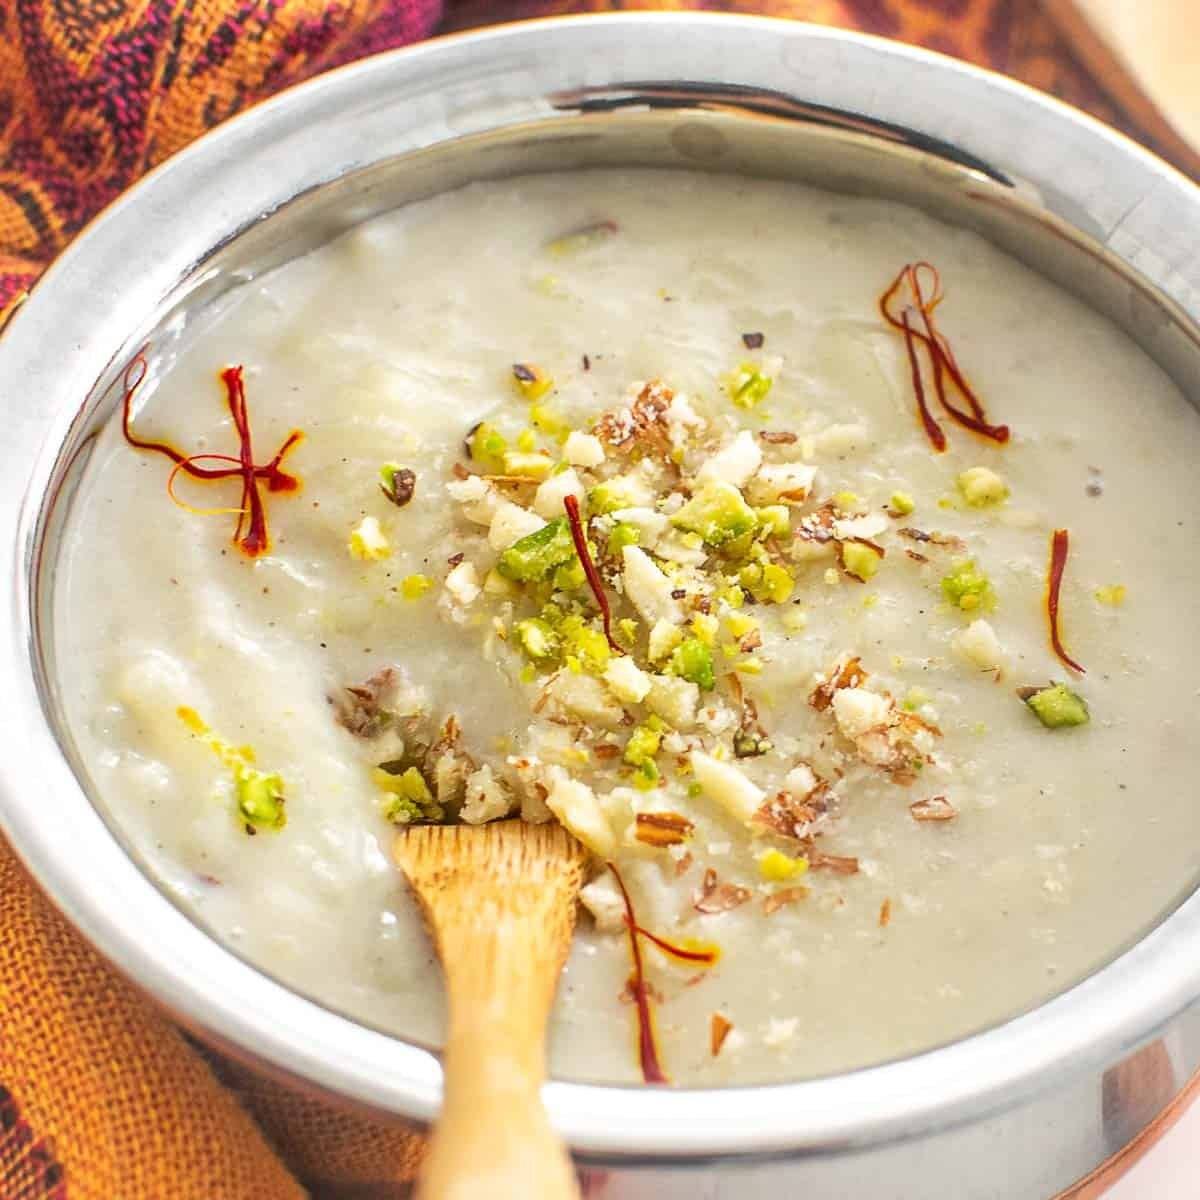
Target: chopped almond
{"type": "Point", "coordinates": [885, 913]}
{"type": "Point", "coordinates": [716, 897]}
{"type": "Point", "coordinates": [790, 815]}
{"type": "Point", "coordinates": [719, 1031]}
{"type": "Point", "coordinates": [936, 808]}
{"type": "Point", "coordinates": [837, 863]}
{"type": "Point", "coordinates": [849, 674]}
{"type": "Point", "coordinates": [662, 828]}
{"type": "Point", "coordinates": [785, 896]}
{"type": "Point", "coordinates": [643, 423]}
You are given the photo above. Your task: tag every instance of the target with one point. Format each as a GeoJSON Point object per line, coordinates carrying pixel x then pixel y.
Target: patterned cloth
{"type": "Point", "coordinates": [101, 1098]}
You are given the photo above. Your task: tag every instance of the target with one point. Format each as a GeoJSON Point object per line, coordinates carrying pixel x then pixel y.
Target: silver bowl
{"type": "Point", "coordinates": [1020, 1110]}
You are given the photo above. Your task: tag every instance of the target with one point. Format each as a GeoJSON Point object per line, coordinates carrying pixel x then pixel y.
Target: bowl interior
{"type": "Point", "coordinates": [697, 127]}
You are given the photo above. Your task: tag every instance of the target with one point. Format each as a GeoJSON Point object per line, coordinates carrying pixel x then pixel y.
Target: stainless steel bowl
{"type": "Point", "coordinates": [1021, 1110]}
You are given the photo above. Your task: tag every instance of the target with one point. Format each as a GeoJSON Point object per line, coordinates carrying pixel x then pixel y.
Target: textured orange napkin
{"type": "Point", "coordinates": [101, 1098]}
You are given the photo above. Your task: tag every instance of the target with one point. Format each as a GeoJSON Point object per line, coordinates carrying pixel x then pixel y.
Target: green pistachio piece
{"type": "Point", "coordinates": [260, 799]}
{"type": "Point", "coordinates": [718, 513]}
{"type": "Point", "coordinates": [536, 555]}
{"type": "Point", "coordinates": [537, 639]}
{"type": "Point", "coordinates": [486, 444]}
{"type": "Point", "coordinates": [748, 385]}
{"type": "Point", "coordinates": [624, 533]}
{"type": "Point", "coordinates": [968, 588]}
{"type": "Point", "coordinates": [1056, 706]}
{"type": "Point", "coordinates": [692, 660]}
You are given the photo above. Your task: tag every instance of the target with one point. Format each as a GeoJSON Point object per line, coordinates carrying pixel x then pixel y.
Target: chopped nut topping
{"type": "Point", "coordinates": [777, 900]}
{"type": "Point", "coordinates": [848, 675]}
{"type": "Point", "coordinates": [360, 707]}
{"type": "Point", "coordinates": [752, 341]}
{"type": "Point", "coordinates": [779, 438]}
{"type": "Point", "coordinates": [716, 897]}
{"type": "Point", "coordinates": [949, 540]}
{"type": "Point", "coordinates": [935, 808]}
{"type": "Point", "coordinates": [793, 816]}
{"type": "Point", "coordinates": [885, 913]}
{"type": "Point", "coordinates": [718, 1033]}
{"type": "Point", "coordinates": [643, 424]}
{"type": "Point", "coordinates": [837, 863]}
{"type": "Point", "coordinates": [662, 828]}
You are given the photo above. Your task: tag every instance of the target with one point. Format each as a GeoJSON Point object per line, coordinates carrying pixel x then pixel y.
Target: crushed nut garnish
{"type": "Point", "coordinates": [719, 1031]}
{"type": "Point", "coordinates": [662, 828]}
{"type": "Point", "coordinates": [935, 808]}
{"type": "Point", "coordinates": [714, 896]}
{"type": "Point", "coordinates": [360, 707]}
{"type": "Point", "coordinates": [752, 341]}
{"type": "Point", "coordinates": [837, 863]}
{"type": "Point", "coordinates": [849, 674]}
{"type": "Point", "coordinates": [785, 896]}
{"type": "Point", "coordinates": [885, 913]}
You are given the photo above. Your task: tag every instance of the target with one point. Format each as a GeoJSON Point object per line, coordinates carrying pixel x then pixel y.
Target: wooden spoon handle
{"type": "Point", "coordinates": [502, 948]}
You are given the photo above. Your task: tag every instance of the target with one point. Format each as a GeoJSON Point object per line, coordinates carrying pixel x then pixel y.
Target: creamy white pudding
{"type": "Point", "coordinates": [888, 853]}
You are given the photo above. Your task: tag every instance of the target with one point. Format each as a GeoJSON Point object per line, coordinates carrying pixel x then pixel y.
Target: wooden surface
{"type": "Point", "coordinates": [500, 904]}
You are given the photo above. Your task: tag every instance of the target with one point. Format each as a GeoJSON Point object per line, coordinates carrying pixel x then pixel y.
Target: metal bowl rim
{"type": "Point", "coordinates": [1087, 1027]}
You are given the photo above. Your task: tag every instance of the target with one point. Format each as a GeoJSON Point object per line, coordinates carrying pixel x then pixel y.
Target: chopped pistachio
{"type": "Point", "coordinates": [968, 588]}
{"type": "Point", "coordinates": [613, 494]}
{"type": "Point", "coordinates": [627, 629]}
{"type": "Point", "coordinates": [860, 561]}
{"type": "Point", "coordinates": [408, 797]}
{"type": "Point", "coordinates": [532, 465]}
{"type": "Point", "coordinates": [527, 441]}
{"type": "Point", "coordinates": [705, 627]}
{"type": "Point", "coordinates": [531, 381]}
{"type": "Point", "coordinates": [734, 596]}
{"type": "Point", "coordinates": [740, 623]}
{"type": "Point", "coordinates": [260, 799]}
{"type": "Point", "coordinates": [1056, 706]}
{"type": "Point", "coordinates": [587, 645]}
{"type": "Point", "coordinates": [748, 385]}
{"type": "Point", "coordinates": [749, 743]}
{"type": "Point", "coordinates": [768, 583]}
{"type": "Point", "coordinates": [546, 421]}
{"type": "Point", "coordinates": [537, 638]}
{"type": "Point", "coordinates": [487, 445]}
{"type": "Point", "coordinates": [397, 483]}
{"type": "Point", "coordinates": [644, 742]}
{"type": "Point", "coordinates": [718, 513]}
{"type": "Point", "coordinates": [496, 585]}
{"type": "Point", "coordinates": [535, 556]}
{"type": "Point", "coordinates": [846, 501]}
{"type": "Point", "coordinates": [624, 533]}
{"type": "Point", "coordinates": [774, 520]}
{"type": "Point", "coordinates": [569, 576]}
{"type": "Point", "coordinates": [981, 486]}
{"type": "Point", "coordinates": [413, 587]}
{"type": "Point", "coordinates": [528, 673]}
{"type": "Point", "coordinates": [777, 867]}
{"type": "Point", "coordinates": [915, 698]}
{"type": "Point", "coordinates": [646, 775]}
{"type": "Point", "coordinates": [902, 504]}
{"type": "Point", "coordinates": [692, 660]}
{"type": "Point", "coordinates": [749, 666]}
{"type": "Point", "coordinates": [1112, 594]}
{"type": "Point", "coordinates": [368, 541]}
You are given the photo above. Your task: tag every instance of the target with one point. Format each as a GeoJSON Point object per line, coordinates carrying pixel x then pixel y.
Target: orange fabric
{"type": "Point", "coordinates": [100, 1097]}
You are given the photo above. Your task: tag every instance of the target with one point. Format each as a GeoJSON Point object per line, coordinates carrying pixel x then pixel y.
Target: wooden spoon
{"type": "Point", "coordinates": [500, 903]}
